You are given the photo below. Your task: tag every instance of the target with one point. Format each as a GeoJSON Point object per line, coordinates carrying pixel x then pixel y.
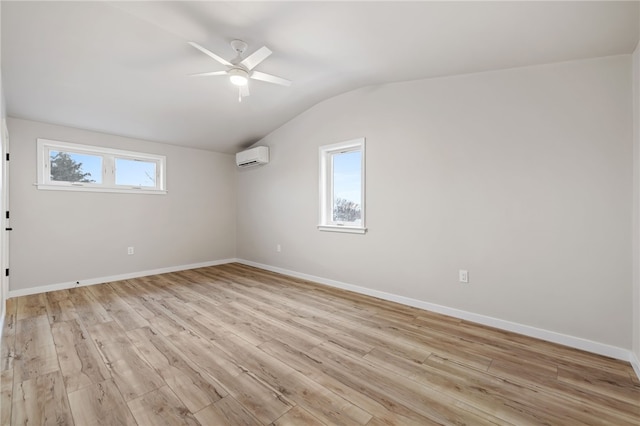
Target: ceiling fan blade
{"type": "Point", "coordinates": [257, 75]}
{"type": "Point", "coordinates": [210, 54]}
{"type": "Point", "coordinates": [256, 57]}
{"type": "Point", "coordinates": [244, 90]}
{"type": "Point", "coordinates": [205, 74]}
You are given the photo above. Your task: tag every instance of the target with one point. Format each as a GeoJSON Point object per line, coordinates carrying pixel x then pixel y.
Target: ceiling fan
{"type": "Point", "coordinates": [241, 70]}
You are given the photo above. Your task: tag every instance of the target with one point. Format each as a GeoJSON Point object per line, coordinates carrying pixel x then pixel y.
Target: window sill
{"type": "Point", "coordinates": [344, 229]}
{"type": "Point", "coordinates": [100, 189]}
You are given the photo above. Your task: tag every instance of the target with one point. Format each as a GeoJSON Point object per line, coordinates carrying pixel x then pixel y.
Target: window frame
{"type": "Point", "coordinates": [326, 154]}
{"type": "Point", "coordinates": [109, 156]}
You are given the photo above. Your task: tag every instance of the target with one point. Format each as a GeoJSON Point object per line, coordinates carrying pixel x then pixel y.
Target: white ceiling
{"type": "Point", "coordinates": [122, 67]}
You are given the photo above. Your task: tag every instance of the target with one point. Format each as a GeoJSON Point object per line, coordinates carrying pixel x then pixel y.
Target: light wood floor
{"type": "Point", "coordinates": [234, 345]}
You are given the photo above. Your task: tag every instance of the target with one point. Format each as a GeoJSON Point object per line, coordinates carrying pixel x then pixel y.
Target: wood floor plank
{"type": "Point", "coordinates": [164, 320]}
{"type": "Point", "coordinates": [194, 388]}
{"type": "Point", "coordinates": [382, 329]}
{"type": "Point", "coordinates": [322, 403]}
{"type": "Point", "coordinates": [313, 367]}
{"type": "Point", "coordinates": [518, 347]}
{"type": "Point", "coordinates": [306, 333]}
{"type": "Point", "coordinates": [511, 402]}
{"type": "Point", "coordinates": [150, 288]}
{"type": "Point", "coordinates": [105, 332]}
{"type": "Point", "coordinates": [100, 404]}
{"type": "Point", "coordinates": [291, 384]}
{"type": "Point", "coordinates": [256, 395]}
{"type": "Point", "coordinates": [333, 325]}
{"type": "Point", "coordinates": [33, 305]}
{"type": "Point", "coordinates": [6, 396]}
{"type": "Point", "coordinates": [41, 401]}
{"type": "Point", "coordinates": [548, 386]}
{"type": "Point", "coordinates": [59, 306]}
{"type": "Point", "coordinates": [8, 342]}
{"type": "Point", "coordinates": [269, 322]}
{"type": "Point", "coordinates": [233, 345]}
{"type": "Point", "coordinates": [227, 411]}
{"type": "Point", "coordinates": [131, 373]}
{"type": "Point", "coordinates": [558, 409]}
{"type": "Point", "coordinates": [118, 309]}
{"type": "Point", "coordinates": [87, 308]}
{"type": "Point", "coordinates": [247, 359]}
{"type": "Point", "coordinates": [253, 332]}
{"type": "Point", "coordinates": [177, 307]}
{"type": "Point", "coordinates": [274, 326]}
{"type": "Point", "coordinates": [619, 388]}
{"type": "Point", "coordinates": [404, 395]}
{"type": "Point", "coordinates": [80, 361]}
{"type": "Point", "coordinates": [180, 287]}
{"type": "Point", "coordinates": [206, 327]}
{"type": "Point", "coordinates": [525, 369]}
{"type": "Point", "coordinates": [258, 398]}
{"type": "Point", "coordinates": [211, 359]}
{"type": "Point", "coordinates": [298, 416]}
{"type": "Point", "coordinates": [131, 295]}
{"type": "Point", "coordinates": [35, 349]}
{"type": "Point", "coordinates": [62, 310]}
{"type": "Point", "coordinates": [527, 355]}
{"type": "Point", "coordinates": [161, 407]}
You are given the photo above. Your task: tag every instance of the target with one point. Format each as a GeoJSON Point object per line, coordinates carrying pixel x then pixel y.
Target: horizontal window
{"type": "Point", "coordinates": [75, 167]}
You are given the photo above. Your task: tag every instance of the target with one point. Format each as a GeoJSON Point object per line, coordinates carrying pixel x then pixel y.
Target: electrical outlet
{"type": "Point", "coordinates": [278, 248]}
{"type": "Point", "coordinates": [130, 250]}
{"type": "Point", "coordinates": [463, 276]}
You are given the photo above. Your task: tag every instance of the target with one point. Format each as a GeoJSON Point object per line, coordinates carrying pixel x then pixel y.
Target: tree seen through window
{"type": "Point", "coordinates": [70, 167]}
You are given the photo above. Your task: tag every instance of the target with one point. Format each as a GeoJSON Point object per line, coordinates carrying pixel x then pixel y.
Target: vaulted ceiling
{"type": "Point", "coordinates": [123, 67]}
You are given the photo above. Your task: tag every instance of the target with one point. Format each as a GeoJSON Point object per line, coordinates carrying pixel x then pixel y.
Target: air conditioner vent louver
{"type": "Point", "coordinates": [253, 157]}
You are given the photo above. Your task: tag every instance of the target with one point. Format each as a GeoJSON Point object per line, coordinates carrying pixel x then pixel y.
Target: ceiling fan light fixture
{"type": "Point", "coordinates": [238, 77]}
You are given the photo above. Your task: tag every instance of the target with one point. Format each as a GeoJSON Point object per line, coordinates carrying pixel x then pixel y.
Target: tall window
{"type": "Point", "coordinates": [342, 186]}
{"type": "Point", "coordinates": [75, 167]}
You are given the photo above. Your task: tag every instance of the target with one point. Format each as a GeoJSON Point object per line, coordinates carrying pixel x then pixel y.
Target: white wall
{"type": "Point", "coordinates": [521, 176]}
{"type": "Point", "coordinates": [636, 206]}
{"type": "Point", "coordinates": [62, 236]}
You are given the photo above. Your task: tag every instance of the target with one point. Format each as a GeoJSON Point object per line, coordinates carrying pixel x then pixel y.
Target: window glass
{"type": "Point", "coordinates": [135, 172]}
{"type": "Point", "coordinates": [74, 167]}
{"type": "Point", "coordinates": [347, 187]}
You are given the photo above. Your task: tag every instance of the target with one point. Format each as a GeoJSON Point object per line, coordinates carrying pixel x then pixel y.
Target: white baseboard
{"type": "Point", "coordinates": [101, 280]}
{"type": "Point", "coordinates": [550, 336]}
{"type": "Point", "coordinates": [635, 363]}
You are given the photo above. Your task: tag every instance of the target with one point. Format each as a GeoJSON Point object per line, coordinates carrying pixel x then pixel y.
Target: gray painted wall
{"type": "Point", "coordinates": [521, 176]}
{"type": "Point", "coordinates": [62, 236]}
{"type": "Point", "coordinates": [636, 202]}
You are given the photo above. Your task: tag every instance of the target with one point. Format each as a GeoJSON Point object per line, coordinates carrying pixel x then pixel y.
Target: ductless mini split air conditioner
{"type": "Point", "coordinates": [253, 157]}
